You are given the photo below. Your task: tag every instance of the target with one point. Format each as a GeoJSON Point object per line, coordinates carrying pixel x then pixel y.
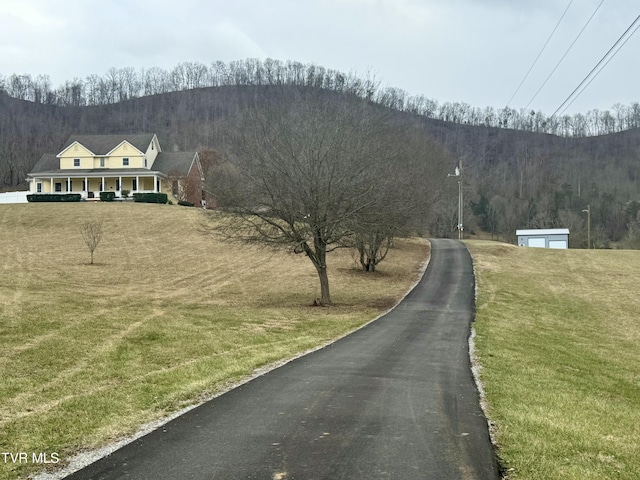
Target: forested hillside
{"type": "Point", "coordinates": [512, 178]}
{"type": "Point", "coordinates": [120, 84]}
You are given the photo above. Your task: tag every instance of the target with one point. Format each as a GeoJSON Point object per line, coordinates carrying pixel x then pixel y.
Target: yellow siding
{"type": "Point", "coordinates": [76, 185]}
{"type": "Point", "coordinates": [126, 150]}
{"type": "Point", "coordinates": [107, 160]}
{"type": "Point", "coordinates": [93, 185]}
{"type": "Point", "coordinates": [76, 151]}
{"type": "Point", "coordinates": [46, 186]}
{"type": "Point", "coordinates": [146, 183]}
{"type": "Point", "coordinates": [67, 162]}
{"type": "Point", "coordinates": [114, 160]}
{"type": "Point", "coordinates": [152, 151]}
{"type": "Point", "coordinates": [127, 184]}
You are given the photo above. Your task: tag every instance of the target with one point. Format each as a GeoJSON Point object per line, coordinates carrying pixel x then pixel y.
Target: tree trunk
{"type": "Point", "coordinates": [325, 297]}
{"type": "Point", "coordinates": [320, 249]}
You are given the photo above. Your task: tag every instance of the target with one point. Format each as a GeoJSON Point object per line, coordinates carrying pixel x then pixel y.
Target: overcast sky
{"type": "Point", "coordinates": [473, 51]}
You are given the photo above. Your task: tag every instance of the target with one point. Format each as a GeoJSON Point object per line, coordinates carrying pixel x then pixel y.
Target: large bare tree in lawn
{"type": "Point", "coordinates": [302, 170]}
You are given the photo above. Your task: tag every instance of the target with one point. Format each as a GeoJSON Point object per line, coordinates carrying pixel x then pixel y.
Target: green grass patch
{"type": "Point", "coordinates": [558, 338]}
{"type": "Point", "coordinates": [167, 316]}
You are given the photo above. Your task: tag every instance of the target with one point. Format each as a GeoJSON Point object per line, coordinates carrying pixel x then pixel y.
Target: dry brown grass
{"type": "Point", "coordinates": [166, 316]}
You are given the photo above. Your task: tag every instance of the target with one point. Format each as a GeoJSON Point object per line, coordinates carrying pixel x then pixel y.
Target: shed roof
{"type": "Point", "coordinates": [544, 231]}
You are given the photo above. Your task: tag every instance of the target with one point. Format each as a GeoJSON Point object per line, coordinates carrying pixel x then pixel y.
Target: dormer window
{"type": "Point", "coordinates": [125, 162]}
{"type": "Point", "coordinates": [145, 163]}
{"type": "Point", "coordinates": [76, 162]}
{"type": "Point", "coordinates": [102, 162]}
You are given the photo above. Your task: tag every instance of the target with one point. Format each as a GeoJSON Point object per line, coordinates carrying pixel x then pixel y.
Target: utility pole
{"type": "Point", "coordinates": [458, 173]}
{"type": "Point", "coordinates": [588, 212]}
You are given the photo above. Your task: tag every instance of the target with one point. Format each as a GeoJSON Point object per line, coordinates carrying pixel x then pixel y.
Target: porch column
{"type": "Point", "coordinates": [120, 185]}
{"type": "Point", "coordinates": [86, 184]}
{"type": "Point", "coordinates": [51, 189]}
{"type": "Point", "coordinates": [69, 184]}
{"type": "Point", "coordinates": [137, 183]}
{"type": "Point", "coordinates": [155, 184]}
{"type": "Point", "coordinates": [103, 185]}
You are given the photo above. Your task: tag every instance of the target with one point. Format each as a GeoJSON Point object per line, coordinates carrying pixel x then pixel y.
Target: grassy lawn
{"type": "Point", "coordinates": [558, 337]}
{"type": "Point", "coordinates": [167, 316]}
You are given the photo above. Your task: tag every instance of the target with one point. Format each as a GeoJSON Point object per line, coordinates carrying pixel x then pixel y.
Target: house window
{"type": "Point", "coordinates": [58, 187]}
{"type": "Point", "coordinates": [102, 162]}
{"type": "Point", "coordinates": [84, 186]}
{"type": "Point", "coordinates": [39, 187]}
{"type": "Point", "coordinates": [100, 186]}
{"type": "Point", "coordinates": [134, 184]}
{"type": "Point", "coordinates": [117, 184]}
{"type": "Point", "coordinates": [145, 163]}
{"type": "Point", "coordinates": [125, 162]}
{"type": "Point", "coordinates": [76, 162]}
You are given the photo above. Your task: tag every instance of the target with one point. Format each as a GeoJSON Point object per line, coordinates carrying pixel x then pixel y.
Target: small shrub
{"type": "Point", "coordinates": [54, 197]}
{"type": "Point", "coordinates": [125, 193]}
{"type": "Point", "coordinates": [184, 203]}
{"type": "Point", "coordinates": [107, 196]}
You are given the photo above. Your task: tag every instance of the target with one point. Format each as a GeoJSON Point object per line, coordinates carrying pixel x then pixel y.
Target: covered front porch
{"type": "Point", "coordinates": [90, 186]}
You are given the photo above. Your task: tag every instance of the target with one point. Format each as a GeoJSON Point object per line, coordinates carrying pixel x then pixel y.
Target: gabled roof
{"type": "Point", "coordinates": [103, 144]}
{"type": "Point", "coordinates": [174, 162]}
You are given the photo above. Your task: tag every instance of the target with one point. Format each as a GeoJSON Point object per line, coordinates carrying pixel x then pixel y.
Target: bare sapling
{"type": "Point", "coordinates": [92, 234]}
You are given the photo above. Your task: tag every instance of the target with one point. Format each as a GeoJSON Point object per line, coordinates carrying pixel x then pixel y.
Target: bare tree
{"type": "Point", "coordinates": [91, 234]}
{"type": "Point", "coordinates": [309, 165]}
{"type": "Point", "coordinates": [180, 186]}
{"type": "Point", "coordinates": [408, 185]}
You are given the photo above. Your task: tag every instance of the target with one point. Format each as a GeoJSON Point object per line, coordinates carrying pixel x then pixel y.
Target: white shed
{"type": "Point", "coordinates": [544, 238]}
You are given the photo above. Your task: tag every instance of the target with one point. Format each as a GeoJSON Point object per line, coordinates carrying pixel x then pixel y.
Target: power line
{"type": "Point", "coordinates": [565, 53]}
{"type": "Point", "coordinates": [569, 100]}
{"type": "Point", "coordinates": [539, 54]}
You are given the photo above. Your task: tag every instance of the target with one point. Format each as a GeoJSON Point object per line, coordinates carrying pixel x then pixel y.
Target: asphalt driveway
{"type": "Point", "coordinates": [394, 400]}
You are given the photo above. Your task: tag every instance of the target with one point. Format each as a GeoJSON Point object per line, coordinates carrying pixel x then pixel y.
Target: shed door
{"type": "Point", "coordinates": [538, 242]}
{"type": "Point", "coordinates": [557, 244]}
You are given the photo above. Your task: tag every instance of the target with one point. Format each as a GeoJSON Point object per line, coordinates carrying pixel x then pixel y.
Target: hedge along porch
{"type": "Point", "coordinates": [90, 164]}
